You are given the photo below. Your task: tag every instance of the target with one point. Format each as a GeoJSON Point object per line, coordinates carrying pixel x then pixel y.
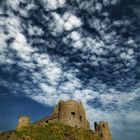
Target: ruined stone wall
{"type": "Point", "coordinates": [23, 121]}
{"type": "Point", "coordinates": [49, 119]}
{"type": "Point", "coordinates": [72, 113]}
{"type": "Point", "coordinates": [68, 112]}
{"type": "Point", "coordinates": [52, 118]}
{"type": "Point", "coordinates": [102, 130]}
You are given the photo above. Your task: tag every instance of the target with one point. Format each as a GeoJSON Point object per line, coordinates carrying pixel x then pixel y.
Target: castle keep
{"type": "Point", "coordinates": [71, 113]}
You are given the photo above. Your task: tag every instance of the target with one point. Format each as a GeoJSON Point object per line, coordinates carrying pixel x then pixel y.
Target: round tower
{"type": "Point", "coordinates": [72, 113]}
{"type": "Point", "coordinates": [103, 130]}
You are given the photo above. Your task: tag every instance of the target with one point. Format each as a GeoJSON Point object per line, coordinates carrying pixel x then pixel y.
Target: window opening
{"type": "Point", "coordinates": [101, 135]}
{"type": "Point", "coordinates": [81, 118]}
{"type": "Point", "coordinates": [73, 114]}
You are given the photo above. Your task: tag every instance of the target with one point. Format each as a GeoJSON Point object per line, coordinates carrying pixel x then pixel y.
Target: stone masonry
{"type": "Point", "coordinates": [102, 130]}
{"type": "Point", "coordinates": [23, 121]}
{"type": "Point", "coordinates": [71, 113]}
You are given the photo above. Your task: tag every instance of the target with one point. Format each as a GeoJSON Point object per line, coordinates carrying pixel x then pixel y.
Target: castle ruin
{"type": "Point", "coordinates": [71, 113]}
{"type": "Point", "coordinates": [23, 121]}
{"type": "Point", "coordinates": [102, 130]}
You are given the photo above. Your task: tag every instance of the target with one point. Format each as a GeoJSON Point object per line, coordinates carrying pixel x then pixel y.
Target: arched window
{"type": "Point", "coordinates": [104, 125]}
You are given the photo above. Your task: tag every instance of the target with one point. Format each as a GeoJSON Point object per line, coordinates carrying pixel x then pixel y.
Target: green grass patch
{"type": "Point", "coordinates": [50, 131]}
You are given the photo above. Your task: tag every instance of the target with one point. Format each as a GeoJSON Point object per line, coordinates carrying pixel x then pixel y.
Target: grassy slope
{"type": "Point", "coordinates": [49, 132]}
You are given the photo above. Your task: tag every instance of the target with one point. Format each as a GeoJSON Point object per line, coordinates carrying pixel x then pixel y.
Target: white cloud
{"type": "Point", "coordinates": [66, 22]}
{"type": "Point", "coordinates": [52, 4]}
{"type": "Point", "coordinates": [106, 2]}
{"type": "Point", "coordinates": [21, 46]}
{"type": "Point", "coordinates": [133, 116]}
{"type": "Point", "coordinates": [84, 95]}
{"type": "Point", "coordinates": [71, 21]}
{"type": "Point", "coordinates": [98, 6]}
{"type": "Point", "coordinates": [3, 38]}
{"type": "Point", "coordinates": [48, 89]}
{"type": "Point", "coordinates": [75, 36]}
{"type": "Point", "coordinates": [34, 30]}
{"type": "Point", "coordinates": [130, 51]}
{"type": "Point", "coordinates": [127, 55]}
{"type": "Point", "coordinates": [14, 4]}
{"type": "Point", "coordinates": [5, 60]}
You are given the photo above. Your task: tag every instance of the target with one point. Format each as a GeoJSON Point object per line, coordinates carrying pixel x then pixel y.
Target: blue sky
{"type": "Point", "coordinates": [71, 49]}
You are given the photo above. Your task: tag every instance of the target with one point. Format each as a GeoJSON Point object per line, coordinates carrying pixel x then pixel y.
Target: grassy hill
{"type": "Point", "coordinates": [50, 131]}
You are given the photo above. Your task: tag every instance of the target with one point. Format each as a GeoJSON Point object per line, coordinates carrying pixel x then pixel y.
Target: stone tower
{"type": "Point", "coordinates": [70, 113]}
{"type": "Point", "coordinates": [102, 130]}
{"type": "Point", "coordinates": [23, 121]}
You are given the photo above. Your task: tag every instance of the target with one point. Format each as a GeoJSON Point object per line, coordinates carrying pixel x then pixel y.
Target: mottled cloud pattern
{"type": "Point", "coordinates": [87, 50]}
